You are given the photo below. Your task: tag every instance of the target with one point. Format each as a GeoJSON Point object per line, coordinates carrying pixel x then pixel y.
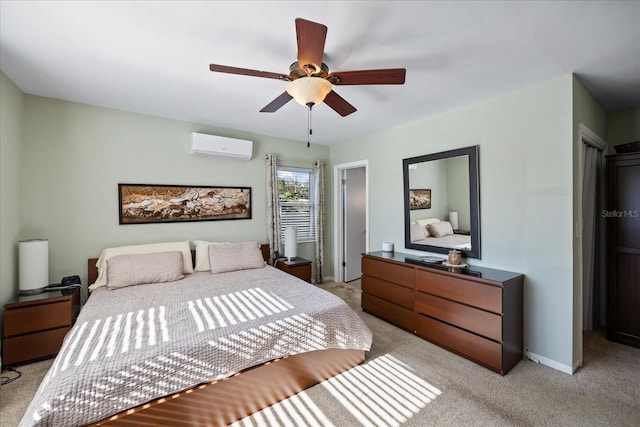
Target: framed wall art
{"type": "Point", "coordinates": [420, 199]}
{"type": "Point", "coordinates": [145, 204]}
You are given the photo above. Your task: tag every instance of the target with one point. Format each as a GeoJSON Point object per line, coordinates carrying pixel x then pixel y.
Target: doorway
{"type": "Point", "coordinates": [351, 219]}
{"type": "Point", "coordinates": [590, 313]}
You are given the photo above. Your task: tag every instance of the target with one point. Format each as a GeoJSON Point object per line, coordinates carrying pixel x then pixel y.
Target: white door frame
{"type": "Point", "coordinates": [585, 136]}
{"type": "Point", "coordinates": [338, 228]}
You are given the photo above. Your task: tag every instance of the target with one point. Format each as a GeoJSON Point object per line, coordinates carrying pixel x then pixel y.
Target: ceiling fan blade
{"type": "Point", "coordinates": [389, 76]}
{"type": "Point", "coordinates": [275, 105]}
{"type": "Point", "coordinates": [339, 104]}
{"type": "Point", "coordinates": [246, 72]}
{"type": "Point", "coordinates": [311, 37]}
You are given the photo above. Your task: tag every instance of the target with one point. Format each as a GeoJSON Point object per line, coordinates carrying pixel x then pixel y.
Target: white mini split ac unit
{"type": "Point", "coordinates": [220, 146]}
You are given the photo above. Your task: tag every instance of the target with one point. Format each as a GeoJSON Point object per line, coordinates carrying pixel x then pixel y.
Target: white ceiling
{"type": "Point", "coordinates": [152, 57]}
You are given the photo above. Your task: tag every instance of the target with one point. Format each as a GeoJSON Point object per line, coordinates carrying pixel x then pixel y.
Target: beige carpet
{"type": "Point", "coordinates": [408, 381]}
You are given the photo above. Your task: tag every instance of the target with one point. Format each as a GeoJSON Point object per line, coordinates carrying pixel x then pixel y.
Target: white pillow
{"type": "Point", "coordinates": [225, 257]}
{"type": "Point", "coordinates": [440, 229]}
{"type": "Point", "coordinates": [425, 224]}
{"type": "Point", "coordinates": [202, 255]}
{"type": "Point", "coordinates": [416, 231]}
{"type": "Point", "coordinates": [140, 269]}
{"type": "Point", "coordinates": [107, 253]}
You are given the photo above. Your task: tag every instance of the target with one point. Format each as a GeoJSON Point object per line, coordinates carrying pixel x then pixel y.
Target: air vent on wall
{"type": "Point", "coordinates": [220, 146]}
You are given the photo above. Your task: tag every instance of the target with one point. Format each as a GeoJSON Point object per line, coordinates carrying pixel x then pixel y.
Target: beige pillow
{"type": "Point", "coordinates": [440, 229]}
{"type": "Point", "coordinates": [139, 269]}
{"type": "Point", "coordinates": [416, 231]}
{"type": "Point", "coordinates": [108, 253]}
{"type": "Point", "coordinates": [225, 257]}
{"type": "Point", "coordinates": [202, 255]}
{"type": "Point", "coordinates": [425, 224]}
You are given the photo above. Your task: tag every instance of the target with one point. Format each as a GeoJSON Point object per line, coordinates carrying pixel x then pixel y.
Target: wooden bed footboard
{"type": "Point", "coordinates": [223, 402]}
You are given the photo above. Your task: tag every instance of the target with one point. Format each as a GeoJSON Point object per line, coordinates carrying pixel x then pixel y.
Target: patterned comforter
{"type": "Point", "coordinates": [139, 343]}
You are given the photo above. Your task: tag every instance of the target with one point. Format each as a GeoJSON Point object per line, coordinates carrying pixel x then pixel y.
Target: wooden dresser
{"type": "Point", "coordinates": [476, 312]}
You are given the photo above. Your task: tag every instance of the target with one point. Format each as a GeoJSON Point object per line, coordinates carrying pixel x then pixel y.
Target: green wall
{"type": "Point", "coordinates": [525, 157]}
{"type": "Point", "coordinates": [623, 127]}
{"type": "Point", "coordinates": [11, 125]}
{"type": "Point", "coordinates": [586, 112]}
{"type": "Point", "coordinates": [77, 154]}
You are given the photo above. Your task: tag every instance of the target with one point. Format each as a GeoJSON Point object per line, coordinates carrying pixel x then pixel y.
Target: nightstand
{"type": "Point", "coordinates": [298, 267]}
{"type": "Point", "coordinates": [35, 325]}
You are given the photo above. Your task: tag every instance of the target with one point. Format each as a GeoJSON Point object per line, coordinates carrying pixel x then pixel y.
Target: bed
{"type": "Point", "coordinates": [432, 231]}
{"type": "Point", "coordinates": [452, 241]}
{"type": "Point", "coordinates": [207, 349]}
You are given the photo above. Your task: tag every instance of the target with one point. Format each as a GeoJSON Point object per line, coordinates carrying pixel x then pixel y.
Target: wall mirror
{"type": "Point", "coordinates": [442, 202]}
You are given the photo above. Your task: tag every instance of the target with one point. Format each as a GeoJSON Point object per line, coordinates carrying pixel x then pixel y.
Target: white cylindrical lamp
{"type": "Point", "coordinates": [33, 266]}
{"type": "Point", "coordinates": [453, 220]}
{"type": "Point", "coordinates": [290, 243]}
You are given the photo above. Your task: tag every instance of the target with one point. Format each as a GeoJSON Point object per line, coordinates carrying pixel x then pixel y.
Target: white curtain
{"type": "Point", "coordinates": [318, 174]}
{"type": "Point", "coordinates": [592, 288]}
{"type": "Point", "coordinates": [272, 208]}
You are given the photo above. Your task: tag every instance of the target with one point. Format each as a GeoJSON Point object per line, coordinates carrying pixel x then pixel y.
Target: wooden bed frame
{"type": "Point", "coordinates": [220, 403]}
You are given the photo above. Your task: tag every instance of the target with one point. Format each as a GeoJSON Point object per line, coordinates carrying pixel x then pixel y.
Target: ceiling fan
{"type": "Point", "coordinates": [309, 79]}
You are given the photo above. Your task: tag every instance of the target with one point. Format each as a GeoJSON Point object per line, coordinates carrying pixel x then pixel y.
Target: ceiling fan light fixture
{"type": "Point", "coordinates": [309, 90]}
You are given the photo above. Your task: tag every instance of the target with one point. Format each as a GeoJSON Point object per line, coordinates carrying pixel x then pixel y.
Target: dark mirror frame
{"type": "Point", "coordinates": [474, 195]}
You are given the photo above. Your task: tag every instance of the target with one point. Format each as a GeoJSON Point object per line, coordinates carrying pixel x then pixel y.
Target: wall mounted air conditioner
{"type": "Point", "coordinates": [220, 146]}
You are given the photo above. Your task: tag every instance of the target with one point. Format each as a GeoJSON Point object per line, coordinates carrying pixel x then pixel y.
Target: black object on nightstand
{"type": "Point", "coordinates": [464, 232]}
{"type": "Point", "coordinates": [35, 325]}
{"type": "Point", "coordinates": [298, 267]}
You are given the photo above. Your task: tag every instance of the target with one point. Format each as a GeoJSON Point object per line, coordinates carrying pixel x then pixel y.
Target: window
{"type": "Point", "coordinates": [295, 195]}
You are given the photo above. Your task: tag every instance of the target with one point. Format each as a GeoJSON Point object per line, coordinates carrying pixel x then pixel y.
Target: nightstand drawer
{"type": "Point", "coordinates": [39, 345]}
{"type": "Point", "coordinates": [37, 318]}
{"type": "Point", "coordinates": [302, 272]}
{"type": "Point", "coordinates": [300, 268]}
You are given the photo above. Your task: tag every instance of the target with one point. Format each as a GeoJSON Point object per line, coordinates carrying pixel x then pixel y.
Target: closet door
{"type": "Point", "coordinates": [622, 219]}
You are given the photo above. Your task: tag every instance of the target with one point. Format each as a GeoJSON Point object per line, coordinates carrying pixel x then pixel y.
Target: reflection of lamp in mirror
{"type": "Point", "coordinates": [453, 220]}
{"type": "Point", "coordinates": [290, 243]}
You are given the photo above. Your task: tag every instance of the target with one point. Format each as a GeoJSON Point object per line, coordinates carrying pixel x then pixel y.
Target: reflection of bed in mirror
{"type": "Point", "coordinates": [432, 231]}
{"type": "Point", "coordinates": [454, 241]}
{"type": "Point", "coordinates": [451, 178]}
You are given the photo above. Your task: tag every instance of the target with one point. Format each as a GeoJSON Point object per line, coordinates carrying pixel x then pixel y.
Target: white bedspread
{"type": "Point", "coordinates": [453, 241]}
{"type": "Point", "coordinates": [135, 344]}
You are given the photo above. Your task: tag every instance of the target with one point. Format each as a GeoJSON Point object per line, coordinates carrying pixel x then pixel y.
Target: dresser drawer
{"type": "Point", "coordinates": [388, 291]}
{"type": "Point", "coordinates": [466, 344]}
{"type": "Point", "coordinates": [33, 346]}
{"type": "Point", "coordinates": [37, 318]}
{"type": "Point", "coordinates": [465, 291]}
{"type": "Point", "coordinates": [392, 313]}
{"type": "Point", "coordinates": [388, 271]}
{"type": "Point", "coordinates": [472, 319]}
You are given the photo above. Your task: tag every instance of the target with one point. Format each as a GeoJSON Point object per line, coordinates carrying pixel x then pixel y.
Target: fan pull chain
{"type": "Point", "coordinates": [309, 125]}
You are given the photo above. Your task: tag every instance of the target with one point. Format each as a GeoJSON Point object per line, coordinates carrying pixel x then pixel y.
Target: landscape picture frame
{"type": "Point", "coordinates": [420, 199]}
{"type": "Point", "coordinates": [155, 203]}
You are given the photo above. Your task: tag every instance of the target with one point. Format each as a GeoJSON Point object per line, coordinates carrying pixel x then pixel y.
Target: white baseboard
{"type": "Point", "coordinates": [550, 363]}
